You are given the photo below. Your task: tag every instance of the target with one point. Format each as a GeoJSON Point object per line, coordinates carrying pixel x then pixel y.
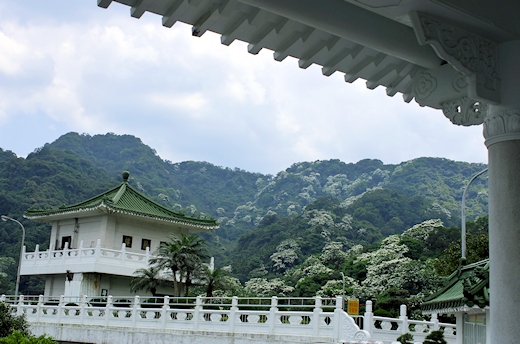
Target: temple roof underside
{"type": "Point", "coordinates": [440, 53]}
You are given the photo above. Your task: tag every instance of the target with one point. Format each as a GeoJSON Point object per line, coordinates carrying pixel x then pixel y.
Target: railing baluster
{"type": "Point", "coordinates": [316, 313]}
{"type": "Point", "coordinates": [272, 314]}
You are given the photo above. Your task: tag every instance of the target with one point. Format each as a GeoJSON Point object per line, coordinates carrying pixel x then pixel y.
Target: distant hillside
{"type": "Point", "coordinates": [376, 199]}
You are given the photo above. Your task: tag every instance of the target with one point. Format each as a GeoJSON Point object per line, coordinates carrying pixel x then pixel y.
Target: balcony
{"type": "Point", "coordinates": [92, 259]}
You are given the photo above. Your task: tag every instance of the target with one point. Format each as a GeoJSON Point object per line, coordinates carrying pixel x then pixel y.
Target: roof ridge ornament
{"type": "Point", "coordinates": [472, 55]}
{"type": "Point", "coordinates": [126, 176]}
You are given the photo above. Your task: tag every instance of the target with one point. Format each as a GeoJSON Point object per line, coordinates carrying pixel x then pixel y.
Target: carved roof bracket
{"type": "Point", "coordinates": [473, 56]}
{"type": "Point", "coordinates": [465, 111]}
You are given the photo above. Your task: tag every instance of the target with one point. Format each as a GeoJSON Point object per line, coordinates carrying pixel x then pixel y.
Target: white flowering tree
{"type": "Point", "coordinates": [265, 287]}
{"type": "Point", "coordinates": [286, 254]}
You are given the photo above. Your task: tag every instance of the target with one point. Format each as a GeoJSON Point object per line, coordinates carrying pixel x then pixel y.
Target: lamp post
{"type": "Point", "coordinates": [5, 218]}
{"type": "Point", "coordinates": [343, 278]}
{"type": "Point", "coordinates": [343, 290]}
{"type": "Point", "coordinates": [463, 215]}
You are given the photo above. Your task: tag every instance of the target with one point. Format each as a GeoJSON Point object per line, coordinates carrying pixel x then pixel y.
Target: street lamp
{"type": "Point", "coordinates": [463, 215]}
{"type": "Point", "coordinates": [5, 218]}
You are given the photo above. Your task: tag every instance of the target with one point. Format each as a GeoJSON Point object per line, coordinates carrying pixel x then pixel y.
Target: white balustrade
{"type": "Point", "coordinates": [384, 328]}
{"type": "Point", "coordinates": [95, 259]}
{"type": "Point", "coordinates": [290, 317]}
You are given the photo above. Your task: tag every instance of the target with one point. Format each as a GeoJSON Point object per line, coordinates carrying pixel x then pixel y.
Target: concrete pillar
{"type": "Point", "coordinates": [502, 133]}
{"type": "Point", "coordinates": [459, 317]}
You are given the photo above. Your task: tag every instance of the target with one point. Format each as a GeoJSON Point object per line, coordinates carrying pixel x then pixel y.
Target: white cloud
{"type": "Point", "coordinates": [76, 67]}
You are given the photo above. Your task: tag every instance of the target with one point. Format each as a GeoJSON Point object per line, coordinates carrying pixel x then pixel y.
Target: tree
{"type": "Point", "coordinates": [217, 279]}
{"type": "Point", "coordinates": [147, 280]}
{"type": "Point", "coordinates": [406, 338]}
{"type": "Point", "coordinates": [435, 337]}
{"type": "Point", "coordinates": [10, 322]}
{"type": "Point", "coordinates": [183, 257]}
{"type": "Point", "coordinates": [477, 250]}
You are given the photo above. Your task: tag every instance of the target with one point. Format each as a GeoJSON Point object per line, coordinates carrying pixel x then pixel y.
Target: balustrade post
{"type": "Point", "coordinates": [36, 255]}
{"type": "Point", "coordinates": [232, 314]}
{"type": "Point", "coordinates": [39, 306]}
{"type": "Point", "coordinates": [368, 321]}
{"type": "Point", "coordinates": [196, 316]}
{"type": "Point", "coordinates": [404, 319]}
{"type": "Point", "coordinates": [80, 250]}
{"type": "Point", "coordinates": [83, 307]}
{"type": "Point", "coordinates": [435, 321]}
{"type": "Point", "coordinates": [135, 313]}
{"type": "Point", "coordinates": [51, 252]}
{"type": "Point", "coordinates": [19, 306]}
{"type": "Point", "coordinates": [147, 254]}
{"type": "Point", "coordinates": [272, 314]}
{"type": "Point", "coordinates": [123, 252]}
{"type": "Point", "coordinates": [98, 249]}
{"type": "Point", "coordinates": [65, 250]}
{"type": "Point", "coordinates": [164, 311]}
{"type": "Point", "coordinates": [108, 308]}
{"type": "Point", "coordinates": [60, 308]}
{"type": "Point", "coordinates": [2, 298]}
{"type": "Point", "coordinates": [316, 316]}
{"type": "Point", "coordinates": [338, 309]}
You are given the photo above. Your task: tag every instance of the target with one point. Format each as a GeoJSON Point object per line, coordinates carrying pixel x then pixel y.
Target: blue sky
{"type": "Point", "coordinates": [68, 65]}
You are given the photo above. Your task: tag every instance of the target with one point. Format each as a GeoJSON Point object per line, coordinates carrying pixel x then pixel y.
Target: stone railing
{"type": "Point", "coordinates": [383, 328]}
{"type": "Point", "coordinates": [291, 319]}
{"type": "Point", "coordinates": [93, 259]}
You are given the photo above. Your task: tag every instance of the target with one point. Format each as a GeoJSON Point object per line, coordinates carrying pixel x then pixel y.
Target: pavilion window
{"type": "Point", "coordinates": [127, 240]}
{"type": "Point", "coordinates": [145, 243]}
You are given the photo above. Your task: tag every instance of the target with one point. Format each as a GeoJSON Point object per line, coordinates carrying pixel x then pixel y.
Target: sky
{"type": "Point", "coordinates": [68, 65]}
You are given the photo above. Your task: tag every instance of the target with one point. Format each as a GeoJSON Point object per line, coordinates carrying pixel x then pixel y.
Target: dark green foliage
{"type": "Point", "coordinates": [383, 313]}
{"type": "Point", "coordinates": [18, 338]}
{"type": "Point", "coordinates": [10, 322]}
{"type": "Point", "coordinates": [435, 337]}
{"type": "Point", "coordinates": [390, 211]}
{"type": "Point", "coordinates": [182, 256]}
{"type": "Point", "coordinates": [477, 247]}
{"type": "Point", "coordinates": [310, 285]}
{"type": "Point", "coordinates": [406, 338]}
{"type": "Point", "coordinates": [147, 280]}
{"type": "Point", "coordinates": [443, 180]}
{"type": "Point", "coordinates": [391, 300]}
{"type": "Point", "coordinates": [76, 167]}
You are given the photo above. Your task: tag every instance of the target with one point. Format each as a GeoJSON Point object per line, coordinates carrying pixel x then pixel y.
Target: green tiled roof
{"type": "Point", "coordinates": [466, 287]}
{"type": "Point", "coordinates": [124, 200]}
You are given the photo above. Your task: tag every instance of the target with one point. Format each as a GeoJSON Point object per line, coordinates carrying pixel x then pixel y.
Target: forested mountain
{"type": "Point", "coordinates": [315, 204]}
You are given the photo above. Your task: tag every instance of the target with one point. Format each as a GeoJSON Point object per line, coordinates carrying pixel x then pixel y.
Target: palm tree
{"type": "Point", "coordinates": [183, 257]}
{"type": "Point", "coordinates": [216, 279]}
{"type": "Point", "coordinates": [147, 280]}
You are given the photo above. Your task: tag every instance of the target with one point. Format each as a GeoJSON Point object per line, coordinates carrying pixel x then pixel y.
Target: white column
{"type": "Point", "coordinates": [502, 133]}
{"type": "Point", "coordinates": [459, 317]}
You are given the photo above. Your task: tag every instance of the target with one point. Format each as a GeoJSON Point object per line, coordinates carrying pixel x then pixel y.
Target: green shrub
{"type": "Point", "coordinates": [383, 313]}
{"type": "Point", "coordinates": [406, 338]}
{"type": "Point", "coordinates": [10, 322]}
{"type": "Point", "coordinates": [435, 337]}
{"type": "Point", "coordinates": [18, 338]}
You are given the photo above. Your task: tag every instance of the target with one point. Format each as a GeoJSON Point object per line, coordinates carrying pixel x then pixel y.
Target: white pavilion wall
{"type": "Point", "coordinates": [139, 231]}
{"type": "Point", "coordinates": [89, 231]}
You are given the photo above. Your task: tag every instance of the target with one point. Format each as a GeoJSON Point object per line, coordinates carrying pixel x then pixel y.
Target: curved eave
{"type": "Point", "coordinates": [103, 208]}
{"type": "Point", "coordinates": [314, 32]}
{"type": "Point", "coordinates": [451, 307]}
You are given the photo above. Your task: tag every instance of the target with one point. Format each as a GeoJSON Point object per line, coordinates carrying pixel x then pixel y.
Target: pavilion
{"type": "Point", "coordinates": [458, 56]}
